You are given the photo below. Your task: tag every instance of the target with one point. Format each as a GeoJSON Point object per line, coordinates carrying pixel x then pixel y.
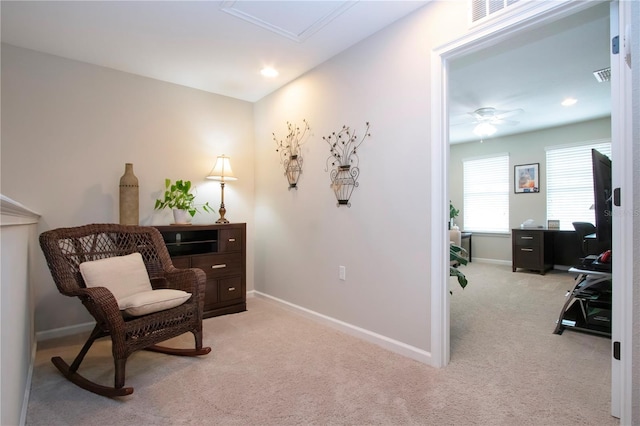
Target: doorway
{"type": "Point", "coordinates": [535, 17]}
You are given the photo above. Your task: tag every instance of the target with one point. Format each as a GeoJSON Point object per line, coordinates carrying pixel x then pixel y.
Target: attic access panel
{"type": "Point", "coordinates": [294, 20]}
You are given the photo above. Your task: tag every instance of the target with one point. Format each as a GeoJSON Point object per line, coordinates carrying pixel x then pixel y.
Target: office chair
{"type": "Point", "coordinates": [582, 230]}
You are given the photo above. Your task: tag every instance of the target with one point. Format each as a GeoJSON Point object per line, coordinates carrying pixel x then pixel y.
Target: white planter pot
{"type": "Point", "coordinates": [181, 217]}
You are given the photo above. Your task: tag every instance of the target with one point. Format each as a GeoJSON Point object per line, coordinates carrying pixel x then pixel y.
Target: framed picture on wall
{"type": "Point", "coordinates": [526, 178]}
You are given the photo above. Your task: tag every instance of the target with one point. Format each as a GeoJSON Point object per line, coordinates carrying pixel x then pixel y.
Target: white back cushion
{"type": "Point", "coordinates": [122, 275]}
{"type": "Point", "coordinates": [126, 277]}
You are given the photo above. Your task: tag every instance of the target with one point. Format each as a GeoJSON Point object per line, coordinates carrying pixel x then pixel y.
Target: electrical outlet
{"type": "Point", "coordinates": [342, 273]}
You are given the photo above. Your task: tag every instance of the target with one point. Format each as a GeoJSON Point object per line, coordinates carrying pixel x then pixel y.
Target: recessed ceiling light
{"type": "Point", "coordinates": [269, 72]}
{"type": "Point", "coordinates": [569, 102]}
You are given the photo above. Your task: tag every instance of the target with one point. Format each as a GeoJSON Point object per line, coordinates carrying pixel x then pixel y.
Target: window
{"type": "Point", "coordinates": [570, 182]}
{"type": "Point", "coordinates": [486, 194]}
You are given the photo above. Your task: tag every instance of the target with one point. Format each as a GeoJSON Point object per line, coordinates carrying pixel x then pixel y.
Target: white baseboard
{"type": "Point", "coordinates": [509, 263]}
{"type": "Point", "coordinates": [64, 331]}
{"type": "Point", "coordinates": [375, 338]}
{"type": "Point", "coordinates": [492, 261]}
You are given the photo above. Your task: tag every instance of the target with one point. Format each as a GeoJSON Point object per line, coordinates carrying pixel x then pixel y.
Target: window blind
{"type": "Point", "coordinates": [570, 183]}
{"type": "Point", "coordinates": [486, 194]}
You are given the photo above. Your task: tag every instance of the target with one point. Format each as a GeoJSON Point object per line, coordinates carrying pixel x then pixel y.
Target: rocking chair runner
{"type": "Point", "coordinates": [66, 248]}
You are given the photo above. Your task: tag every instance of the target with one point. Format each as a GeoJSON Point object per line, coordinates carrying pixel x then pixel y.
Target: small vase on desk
{"type": "Point", "coordinates": [129, 197]}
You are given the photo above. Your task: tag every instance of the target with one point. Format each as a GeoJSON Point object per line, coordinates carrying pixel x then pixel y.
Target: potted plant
{"type": "Point", "coordinates": [178, 196]}
{"type": "Point", "coordinates": [453, 213]}
{"type": "Point", "coordinates": [457, 257]}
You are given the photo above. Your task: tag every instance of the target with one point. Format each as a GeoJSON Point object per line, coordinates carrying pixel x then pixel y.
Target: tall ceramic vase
{"type": "Point", "coordinates": [129, 197]}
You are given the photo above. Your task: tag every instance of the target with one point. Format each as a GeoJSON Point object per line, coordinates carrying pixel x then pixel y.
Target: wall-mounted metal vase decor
{"type": "Point", "coordinates": [344, 162]}
{"type": "Point", "coordinates": [289, 150]}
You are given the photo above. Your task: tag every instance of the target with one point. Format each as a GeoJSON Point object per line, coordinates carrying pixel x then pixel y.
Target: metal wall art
{"type": "Point", "coordinates": [344, 162]}
{"type": "Point", "coordinates": [289, 150]}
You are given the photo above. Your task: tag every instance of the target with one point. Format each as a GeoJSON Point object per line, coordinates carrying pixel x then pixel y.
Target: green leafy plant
{"type": "Point", "coordinates": [457, 256]}
{"type": "Point", "coordinates": [179, 196]}
{"type": "Point", "coordinates": [453, 212]}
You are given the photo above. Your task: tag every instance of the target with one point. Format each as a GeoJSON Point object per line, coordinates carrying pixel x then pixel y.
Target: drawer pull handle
{"type": "Point", "coordinates": [526, 249]}
{"type": "Point", "coordinates": [232, 288]}
{"type": "Point", "coordinates": [526, 238]}
{"type": "Point", "coordinates": [219, 266]}
{"type": "Point", "coordinates": [232, 240]}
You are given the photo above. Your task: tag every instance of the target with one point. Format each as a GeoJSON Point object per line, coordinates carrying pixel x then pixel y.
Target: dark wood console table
{"type": "Point", "coordinates": [220, 251]}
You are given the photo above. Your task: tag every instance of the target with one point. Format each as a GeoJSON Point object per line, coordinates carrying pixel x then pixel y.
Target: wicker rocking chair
{"type": "Point", "coordinates": [65, 249]}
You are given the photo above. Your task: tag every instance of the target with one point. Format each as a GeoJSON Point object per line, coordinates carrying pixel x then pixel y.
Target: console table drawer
{"type": "Point", "coordinates": [181, 262]}
{"type": "Point", "coordinates": [217, 265]}
{"type": "Point", "coordinates": [230, 288]}
{"type": "Point", "coordinates": [231, 240]}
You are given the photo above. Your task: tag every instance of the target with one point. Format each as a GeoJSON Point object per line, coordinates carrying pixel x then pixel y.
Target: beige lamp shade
{"type": "Point", "coordinates": [222, 170]}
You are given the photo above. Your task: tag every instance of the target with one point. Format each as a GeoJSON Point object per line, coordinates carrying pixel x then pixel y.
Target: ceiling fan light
{"type": "Point", "coordinates": [484, 129]}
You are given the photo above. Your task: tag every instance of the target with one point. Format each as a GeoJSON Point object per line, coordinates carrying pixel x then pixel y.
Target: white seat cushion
{"type": "Point", "coordinates": [147, 302]}
{"type": "Point", "coordinates": [127, 278]}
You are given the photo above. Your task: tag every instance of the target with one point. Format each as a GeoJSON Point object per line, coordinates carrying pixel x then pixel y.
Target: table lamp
{"type": "Point", "coordinates": [222, 171]}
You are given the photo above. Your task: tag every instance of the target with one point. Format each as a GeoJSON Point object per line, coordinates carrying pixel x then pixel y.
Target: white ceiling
{"type": "Point", "coordinates": [220, 47]}
{"type": "Point", "coordinates": [535, 72]}
{"type": "Point", "coordinates": [216, 46]}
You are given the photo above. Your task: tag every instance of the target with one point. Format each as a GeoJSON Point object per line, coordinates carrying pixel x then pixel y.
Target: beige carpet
{"type": "Point", "coordinates": [271, 367]}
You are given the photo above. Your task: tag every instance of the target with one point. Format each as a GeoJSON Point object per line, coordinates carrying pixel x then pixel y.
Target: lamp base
{"type": "Point", "coordinates": [222, 212]}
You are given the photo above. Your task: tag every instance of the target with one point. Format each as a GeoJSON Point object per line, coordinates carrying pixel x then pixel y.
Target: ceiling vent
{"type": "Point", "coordinates": [481, 9]}
{"type": "Point", "coordinates": [603, 75]}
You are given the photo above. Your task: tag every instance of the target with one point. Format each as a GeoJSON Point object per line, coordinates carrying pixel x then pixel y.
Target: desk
{"type": "Point", "coordinates": [466, 236]}
{"type": "Point", "coordinates": [593, 246]}
{"type": "Point", "coordinates": [540, 249]}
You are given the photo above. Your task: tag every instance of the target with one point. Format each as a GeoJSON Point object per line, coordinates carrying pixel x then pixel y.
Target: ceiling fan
{"type": "Point", "coordinates": [487, 118]}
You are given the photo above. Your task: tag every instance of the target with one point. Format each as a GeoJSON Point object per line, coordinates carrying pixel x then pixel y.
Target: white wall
{"type": "Point", "coordinates": [68, 128]}
{"type": "Point", "coordinates": [19, 242]}
{"type": "Point", "coordinates": [524, 148]}
{"type": "Point", "coordinates": [383, 238]}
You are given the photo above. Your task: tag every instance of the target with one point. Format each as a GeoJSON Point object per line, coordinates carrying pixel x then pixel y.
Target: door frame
{"type": "Point", "coordinates": [622, 176]}
{"type": "Point", "coordinates": [525, 16]}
